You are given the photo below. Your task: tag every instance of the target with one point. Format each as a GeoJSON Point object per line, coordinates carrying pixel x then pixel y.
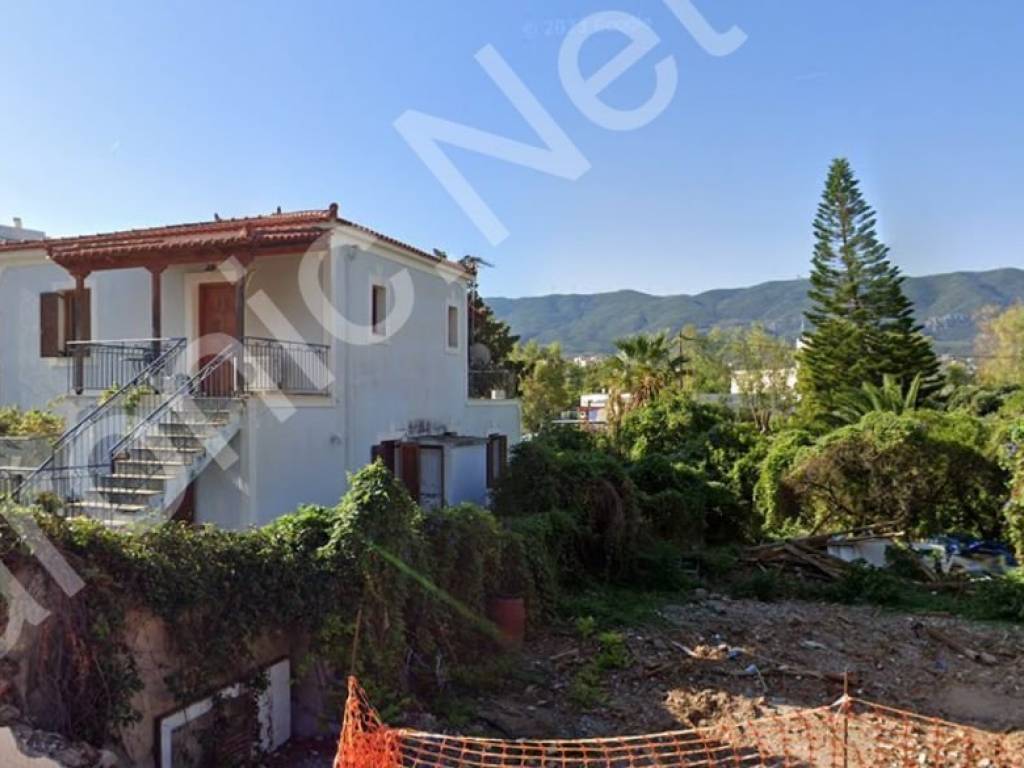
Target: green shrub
{"type": "Point", "coordinates": [1012, 459]}
{"type": "Point", "coordinates": [591, 487]}
{"type": "Point", "coordinates": [673, 499]}
{"type": "Point", "coordinates": [465, 544]}
{"type": "Point", "coordinates": [32, 423]}
{"type": "Point", "coordinates": [999, 599]}
{"type": "Point", "coordinates": [585, 688]}
{"type": "Point", "coordinates": [531, 483]}
{"type": "Point", "coordinates": [766, 586]}
{"type": "Point", "coordinates": [865, 584]}
{"type": "Point", "coordinates": [772, 498]}
{"type": "Point", "coordinates": [658, 566]}
{"type": "Point", "coordinates": [586, 627]}
{"type": "Point", "coordinates": [612, 652]}
{"type": "Point", "coordinates": [930, 472]}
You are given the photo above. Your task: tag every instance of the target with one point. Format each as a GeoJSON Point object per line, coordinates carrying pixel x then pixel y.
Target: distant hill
{"type": "Point", "coordinates": [588, 323]}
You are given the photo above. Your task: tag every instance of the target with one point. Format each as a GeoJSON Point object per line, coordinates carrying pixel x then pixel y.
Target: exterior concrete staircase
{"type": "Point", "coordinates": [148, 477]}
{"type": "Point", "coordinates": [132, 457]}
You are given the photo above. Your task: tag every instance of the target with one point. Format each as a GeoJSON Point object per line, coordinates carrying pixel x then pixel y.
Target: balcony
{"type": "Point", "coordinates": [107, 365]}
{"type": "Point", "coordinates": [492, 384]}
{"type": "Point", "coordinates": [291, 367]}
{"type": "Point", "coordinates": [268, 365]}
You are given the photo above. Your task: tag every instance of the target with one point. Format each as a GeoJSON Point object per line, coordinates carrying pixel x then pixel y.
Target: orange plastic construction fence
{"type": "Point", "coordinates": [848, 734]}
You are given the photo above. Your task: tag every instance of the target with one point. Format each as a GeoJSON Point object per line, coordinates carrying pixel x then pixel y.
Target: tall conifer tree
{"type": "Point", "coordinates": [864, 325]}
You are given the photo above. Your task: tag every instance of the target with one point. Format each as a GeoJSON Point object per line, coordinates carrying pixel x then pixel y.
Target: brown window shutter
{"type": "Point", "coordinates": [378, 309]}
{"type": "Point", "coordinates": [70, 313]}
{"type": "Point", "coordinates": [49, 325]}
{"type": "Point", "coordinates": [410, 467]}
{"type": "Point", "coordinates": [388, 454]}
{"type": "Point", "coordinates": [385, 451]}
{"type": "Point", "coordinates": [490, 461]}
{"type": "Point", "coordinates": [502, 454]}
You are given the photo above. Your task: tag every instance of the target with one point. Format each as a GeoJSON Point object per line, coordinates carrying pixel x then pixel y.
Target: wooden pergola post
{"type": "Point", "coordinates": [243, 272]}
{"type": "Point", "coordinates": [156, 316]}
{"type": "Point", "coordinates": [78, 331]}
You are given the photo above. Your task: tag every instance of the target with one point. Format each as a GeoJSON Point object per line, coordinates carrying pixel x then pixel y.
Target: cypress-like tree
{"type": "Point", "coordinates": [864, 325]}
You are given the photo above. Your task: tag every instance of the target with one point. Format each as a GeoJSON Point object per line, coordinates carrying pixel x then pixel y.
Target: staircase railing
{"type": "Point", "coordinates": [213, 389]}
{"type": "Point", "coordinates": [67, 473]}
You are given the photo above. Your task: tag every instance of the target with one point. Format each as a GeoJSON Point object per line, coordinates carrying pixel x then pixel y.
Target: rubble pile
{"type": "Point", "coordinates": [718, 658]}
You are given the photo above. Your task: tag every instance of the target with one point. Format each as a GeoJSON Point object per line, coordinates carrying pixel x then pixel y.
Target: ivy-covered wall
{"type": "Point", "coordinates": [168, 615]}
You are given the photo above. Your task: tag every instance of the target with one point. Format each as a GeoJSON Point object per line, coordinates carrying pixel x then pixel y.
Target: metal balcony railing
{"type": "Point", "coordinates": [492, 384]}
{"type": "Point", "coordinates": [11, 478]}
{"type": "Point", "coordinates": [108, 365]}
{"type": "Point", "coordinates": [290, 367]}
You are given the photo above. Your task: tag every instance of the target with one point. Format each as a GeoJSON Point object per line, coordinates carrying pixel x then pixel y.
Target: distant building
{"type": "Point", "coordinates": [593, 409]}
{"type": "Point", "coordinates": [742, 381]}
{"type": "Point", "coordinates": [18, 232]}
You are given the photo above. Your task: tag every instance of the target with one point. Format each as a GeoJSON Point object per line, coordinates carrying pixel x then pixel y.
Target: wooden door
{"type": "Point", "coordinates": [218, 325]}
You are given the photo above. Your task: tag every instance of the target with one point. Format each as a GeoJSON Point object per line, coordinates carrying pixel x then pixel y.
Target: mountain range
{"type": "Point", "coordinates": [946, 305]}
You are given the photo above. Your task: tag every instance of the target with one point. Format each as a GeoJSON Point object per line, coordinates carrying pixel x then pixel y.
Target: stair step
{"type": "Point", "coordinates": [148, 463]}
{"type": "Point", "coordinates": [196, 414]}
{"type": "Point", "coordinates": [114, 490]}
{"type": "Point", "coordinates": [191, 427]}
{"type": "Point", "coordinates": [110, 506]}
{"type": "Point", "coordinates": [147, 448]}
{"type": "Point", "coordinates": [186, 441]}
{"type": "Point", "coordinates": [118, 476]}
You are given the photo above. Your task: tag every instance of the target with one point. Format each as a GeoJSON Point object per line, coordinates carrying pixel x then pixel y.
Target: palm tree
{"type": "Point", "coordinates": [889, 398]}
{"type": "Point", "coordinates": [643, 366]}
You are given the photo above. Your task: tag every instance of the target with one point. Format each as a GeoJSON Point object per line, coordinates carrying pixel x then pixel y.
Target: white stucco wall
{"type": "Point", "coordinates": [120, 309]}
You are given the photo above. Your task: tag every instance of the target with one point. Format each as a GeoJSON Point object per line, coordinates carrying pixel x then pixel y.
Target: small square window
{"type": "Point", "coordinates": [453, 328]}
{"type": "Point", "coordinates": [378, 309]}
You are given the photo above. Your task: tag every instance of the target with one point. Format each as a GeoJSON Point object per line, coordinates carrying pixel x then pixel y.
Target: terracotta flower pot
{"type": "Point", "coordinates": [509, 615]}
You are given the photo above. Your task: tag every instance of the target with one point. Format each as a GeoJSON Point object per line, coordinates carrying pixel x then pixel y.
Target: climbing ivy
{"type": "Point", "coordinates": [375, 585]}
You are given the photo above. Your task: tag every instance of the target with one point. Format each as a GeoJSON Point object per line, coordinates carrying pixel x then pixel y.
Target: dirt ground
{"type": "Point", "coordinates": [712, 659]}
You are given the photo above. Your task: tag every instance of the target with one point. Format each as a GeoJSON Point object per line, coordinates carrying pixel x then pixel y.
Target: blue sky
{"type": "Point", "coordinates": [119, 114]}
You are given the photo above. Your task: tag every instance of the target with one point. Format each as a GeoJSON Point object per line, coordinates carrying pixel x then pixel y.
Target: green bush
{"type": "Point", "coordinates": [531, 483]}
{"type": "Point", "coordinates": [658, 566]}
{"type": "Point", "coordinates": [592, 488]}
{"type": "Point", "coordinates": [929, 472]}
{"type": "Point", "coordinates": [612, 651]}
{"type": "Point", "coordinates": [772, 498]}
{"type": "Point", "coordinates": [32, 423]}
{"type": "Point", "coordinates": [465, 544]}
{"type": "Point", "coordinates": [1012, 459]}
{"type": "Point", "coordinates": [712, 442]}
{"type": "Point", "coordinates": [864, 584]}
{"type": "Point", "coordinates": [1000, 599]}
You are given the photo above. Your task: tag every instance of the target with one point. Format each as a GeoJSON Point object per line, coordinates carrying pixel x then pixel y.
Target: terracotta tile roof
{"type": "Point", "coordinates": [276, 230]}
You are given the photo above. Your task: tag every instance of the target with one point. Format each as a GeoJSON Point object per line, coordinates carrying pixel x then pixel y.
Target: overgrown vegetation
{"type": "Point", "coordinates": [375, 585]}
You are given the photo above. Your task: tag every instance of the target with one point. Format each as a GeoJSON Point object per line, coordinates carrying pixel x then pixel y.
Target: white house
{"type": "Point", "coordinates": [742, 382]}
{"type": "Point", "coordinates": [245, 366]}
{"type": "Point", "coordinates": [18, 232]}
